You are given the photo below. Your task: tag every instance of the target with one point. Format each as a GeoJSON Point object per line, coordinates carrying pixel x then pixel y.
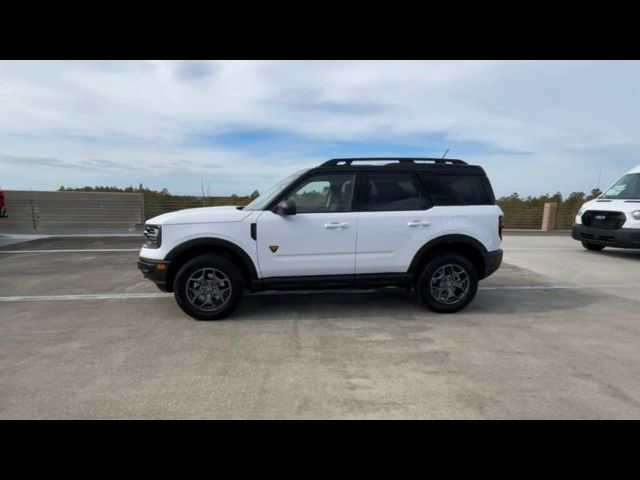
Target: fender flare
{"type": "Point", "coordinates": [444, 240]}
{"type": "Point", "coordinates": [219, 243]}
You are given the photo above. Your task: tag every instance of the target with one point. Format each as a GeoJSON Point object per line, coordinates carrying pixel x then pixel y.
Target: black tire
{"type": "Point", "coordinates": [592, 246]}
{"type": "Point", "coordinates": [433, 267]}
{"type": "Point", "coordinates": [225, 270]}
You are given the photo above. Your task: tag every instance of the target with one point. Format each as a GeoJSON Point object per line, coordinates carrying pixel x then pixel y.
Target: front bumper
{"type": "Point", "coordinates": [622, 238]}
{"type": "Point", "coordinates": [155, 270]}
{"type": "Point", "coordinates": [492, 261]}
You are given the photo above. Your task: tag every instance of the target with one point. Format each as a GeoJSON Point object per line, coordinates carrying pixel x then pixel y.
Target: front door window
{"type": "Point", "coordinates": [324, 194]}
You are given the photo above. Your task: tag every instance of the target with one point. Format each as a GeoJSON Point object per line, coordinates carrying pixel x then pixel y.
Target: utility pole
{"type": "Point", "coordinates": [205, 197]}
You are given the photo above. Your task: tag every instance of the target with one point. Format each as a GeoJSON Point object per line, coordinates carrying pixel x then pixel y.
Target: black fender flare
{"type": "Point", "coordinates": [217, 243]}
{"type": "Point", "coordinates": [445, 240]}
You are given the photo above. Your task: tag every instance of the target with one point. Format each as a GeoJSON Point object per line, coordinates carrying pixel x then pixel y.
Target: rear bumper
{"type": "Point", "coordinates": [155, 270]}
{"type": "Point", "coordinates": [492, 261]}
{"type": "Point", "coordinates": [622, 238]}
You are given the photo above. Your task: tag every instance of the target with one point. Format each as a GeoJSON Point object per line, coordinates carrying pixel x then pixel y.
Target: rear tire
{"type": "Point", "coordinates": [208, 287]}
{"type": "Point", "coordinates": [592, 246]}
{"type": "Point", "coordinates": [448, 283]}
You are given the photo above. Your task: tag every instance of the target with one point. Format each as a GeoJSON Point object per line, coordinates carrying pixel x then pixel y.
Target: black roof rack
{"type": "Point", "coordinates": [348, 161]}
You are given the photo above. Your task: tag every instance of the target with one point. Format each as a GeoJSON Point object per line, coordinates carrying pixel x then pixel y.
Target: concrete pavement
{"type": "Point", "coordinates": [554, 333]}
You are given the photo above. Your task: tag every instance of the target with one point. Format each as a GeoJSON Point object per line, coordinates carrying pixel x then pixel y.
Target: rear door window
{"type": "Point", "coordinates": [384, 192]}
{"type": "Point", "coordinates": [454, 189]}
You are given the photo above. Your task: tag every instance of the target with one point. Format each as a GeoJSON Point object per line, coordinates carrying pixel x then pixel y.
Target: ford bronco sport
{"type": "Point", "coordinates": [429, 225]}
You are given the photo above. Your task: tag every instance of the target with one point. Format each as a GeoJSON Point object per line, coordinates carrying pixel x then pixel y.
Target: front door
{"type": "Point", "coordinates": [320, 239]}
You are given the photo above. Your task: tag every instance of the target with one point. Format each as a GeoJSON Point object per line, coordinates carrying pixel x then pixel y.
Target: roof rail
{"type": "Point", "coordinates": [348, 161]}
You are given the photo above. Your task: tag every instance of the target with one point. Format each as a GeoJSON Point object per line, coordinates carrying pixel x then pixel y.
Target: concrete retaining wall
{"type": "Point", "coordinates": [48, 211]}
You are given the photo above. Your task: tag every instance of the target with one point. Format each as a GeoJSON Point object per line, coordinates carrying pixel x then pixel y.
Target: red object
{"type": "Point", "coordinates": [500, 226]}
{"type": "Point", "coordinates": [3, 210]}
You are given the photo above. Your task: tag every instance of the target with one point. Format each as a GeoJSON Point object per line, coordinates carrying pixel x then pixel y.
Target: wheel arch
{"type": "Point", "coordinates": [454, 243]}
{"type": "Point", "coordinates": [182, 253]}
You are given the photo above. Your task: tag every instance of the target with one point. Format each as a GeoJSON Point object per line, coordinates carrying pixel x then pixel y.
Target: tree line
{"type": "Point", "coordinates": [511, 202]}
{"type": "Point", "coordinates": [570, 203]}
{"type": "Point", "coordinates": [162, 194]}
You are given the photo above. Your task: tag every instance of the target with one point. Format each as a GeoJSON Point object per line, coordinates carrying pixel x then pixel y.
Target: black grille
{"type": "Point", "coordinates": [603, 219]}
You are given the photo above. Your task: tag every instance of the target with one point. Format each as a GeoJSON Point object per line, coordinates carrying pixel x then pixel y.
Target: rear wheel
{"type": "Point", "coordinates": [208, 287]}
{"type": "Point", "coordinates": [592, 246]}
{"type": "Point", "coordinates": [448, 283]}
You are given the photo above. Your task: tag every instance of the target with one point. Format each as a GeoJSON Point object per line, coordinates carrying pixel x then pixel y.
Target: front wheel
{"type": "Point", "coordinates": [592, 246]}
{"type": "Point", "coordinates": [448, 283]}
{"type": "Point", "coordinates": [208, 287]}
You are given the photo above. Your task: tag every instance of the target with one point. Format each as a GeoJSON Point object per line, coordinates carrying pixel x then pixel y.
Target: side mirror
{"type": "Point", "coordinates": [286, 207]}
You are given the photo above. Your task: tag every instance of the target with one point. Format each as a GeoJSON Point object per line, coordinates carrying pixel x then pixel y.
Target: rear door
{"type": "Point", "coordinates": [467, 205]}
{"type": "Point", "coordinates": [320, 239]}
{"type": "Point", "coordinates": [396, 219]}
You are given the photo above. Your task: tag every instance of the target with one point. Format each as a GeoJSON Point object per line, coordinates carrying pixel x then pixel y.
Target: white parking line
{"type": "Point", "coordinates": [95, 235]}
{"type": "Point", "coordinates": [558, 287]}
{"type": "Point", "coordinates": [90, 296]}
{"type": "Point", "coordinates": [526, 249]}
{"type": "Point", "coordinates": [76, 250]}
{"type": "Point", "coordinates": [128, 296]}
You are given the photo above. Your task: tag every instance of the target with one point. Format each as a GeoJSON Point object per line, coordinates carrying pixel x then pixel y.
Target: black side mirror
{"type": "Point", "coordinates": [286, 207]}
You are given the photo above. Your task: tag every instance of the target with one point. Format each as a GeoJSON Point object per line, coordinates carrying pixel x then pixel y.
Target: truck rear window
{"type": "Point", "coordinates": [457, 189]}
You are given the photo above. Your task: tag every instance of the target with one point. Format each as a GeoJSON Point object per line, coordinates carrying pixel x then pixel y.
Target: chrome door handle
{"type": "Point", "coordinates": [418, 223]}
{"type": "Point", "coordinates": [336, 225]}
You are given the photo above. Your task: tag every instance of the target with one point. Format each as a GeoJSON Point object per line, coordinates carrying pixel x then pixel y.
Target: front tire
{"type": "Point", "coordinates": [448, 283]}
{"type": "Point", "coordinates": [208, 287]}
{"type": "Point", "coordinates": [592, 246]}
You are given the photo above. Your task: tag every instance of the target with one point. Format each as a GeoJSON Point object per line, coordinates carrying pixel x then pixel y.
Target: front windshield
{"type": "Point", "coordinates": [627, 188]}
{"type": "Point", "coordinates": [264, 199]}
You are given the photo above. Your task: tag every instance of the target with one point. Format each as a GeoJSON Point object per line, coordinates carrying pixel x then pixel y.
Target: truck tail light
{"type": "Point", "coordinates": [500, 226]}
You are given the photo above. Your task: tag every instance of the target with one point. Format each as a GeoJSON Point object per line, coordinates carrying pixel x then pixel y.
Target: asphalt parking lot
{"type": "Point", "coordinates": [555, 333]}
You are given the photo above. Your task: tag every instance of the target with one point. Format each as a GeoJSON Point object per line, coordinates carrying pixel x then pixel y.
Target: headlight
{"type": "Point", "coordinates": [152, 236]}
{"type": "Point", "coordinates": [636, 214]}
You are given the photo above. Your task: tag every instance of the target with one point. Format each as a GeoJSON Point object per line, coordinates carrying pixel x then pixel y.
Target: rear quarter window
{"type": "Point", "coordinates": [458, 189]}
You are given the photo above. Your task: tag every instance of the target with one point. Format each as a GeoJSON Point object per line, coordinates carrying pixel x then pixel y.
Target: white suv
{"type": "Point", "coordinates": [613, 219]}
{"type": "Point", "coordinates": [431, 225]}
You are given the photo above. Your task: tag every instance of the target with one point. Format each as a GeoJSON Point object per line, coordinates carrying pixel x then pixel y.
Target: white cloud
{"type": "Point", "coordinates": [573, 118]}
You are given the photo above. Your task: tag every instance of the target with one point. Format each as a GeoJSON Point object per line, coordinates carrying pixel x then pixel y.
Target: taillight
{"type": "Point", "coordinates": [500, 226]}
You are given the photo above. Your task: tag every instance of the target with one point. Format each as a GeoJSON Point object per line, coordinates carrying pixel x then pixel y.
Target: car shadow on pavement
{"type": "Point", "coordinates": [530, 301]}
{"type": "Point", "coordinates": [630, 254]}
{"type": "Point", "coordinates": [400, 304]}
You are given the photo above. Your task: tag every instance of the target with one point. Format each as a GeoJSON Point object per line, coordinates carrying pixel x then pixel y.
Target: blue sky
{"type": "Point", "coordinates": [535, 126]}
